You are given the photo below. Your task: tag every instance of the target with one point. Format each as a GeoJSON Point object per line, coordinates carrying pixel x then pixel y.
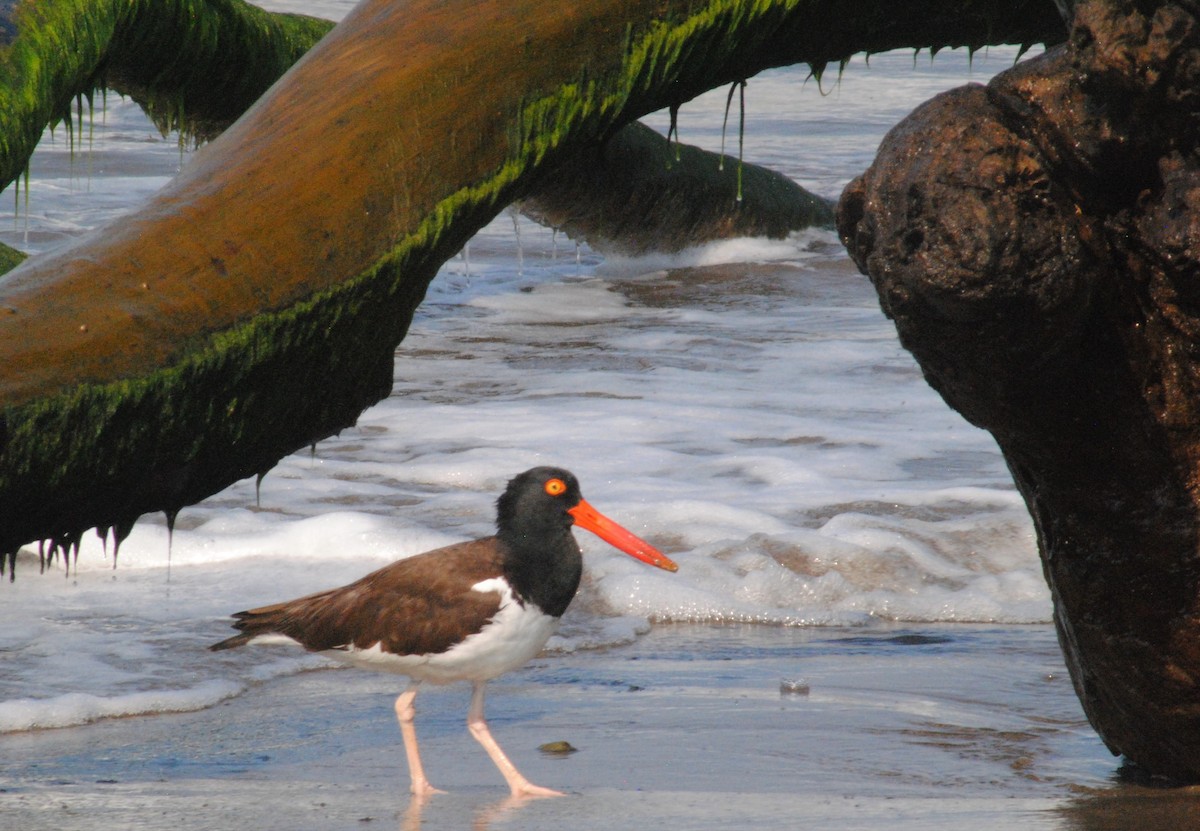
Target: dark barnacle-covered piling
{"type": "Point", "coordinates": [1037, 243]}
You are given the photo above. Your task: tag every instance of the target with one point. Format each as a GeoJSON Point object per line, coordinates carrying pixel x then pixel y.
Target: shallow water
{"type": "Point", "coordinates": [744, 406]}
{"type": "Point", "coordinates": [900, 727]}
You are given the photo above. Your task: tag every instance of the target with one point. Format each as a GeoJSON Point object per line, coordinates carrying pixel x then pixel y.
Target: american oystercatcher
{"type": "Point", "coordinates": [466, 612]}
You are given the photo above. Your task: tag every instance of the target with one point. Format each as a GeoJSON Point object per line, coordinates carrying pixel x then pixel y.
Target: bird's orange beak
{"type": "Point", "coordinates": [590, 519]}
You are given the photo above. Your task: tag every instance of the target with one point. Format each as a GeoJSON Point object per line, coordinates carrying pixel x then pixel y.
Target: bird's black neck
{"type": "Point", "coordinates": [544, 569]}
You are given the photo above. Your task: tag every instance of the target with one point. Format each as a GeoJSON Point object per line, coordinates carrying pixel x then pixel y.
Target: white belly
{"type": "Point", "coordinates": [515, 635]}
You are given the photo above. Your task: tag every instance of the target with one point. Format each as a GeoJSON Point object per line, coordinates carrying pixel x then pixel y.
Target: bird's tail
{"type": "Point", "coordinates": [253, 624]}
{"type": "Point", "coordinates": [240, 639]}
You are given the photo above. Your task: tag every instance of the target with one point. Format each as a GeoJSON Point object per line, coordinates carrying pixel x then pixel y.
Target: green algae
{"type": "Point", "coordinates": [175, 57]}
{"type": "Point", "coordinates": [10, 258]}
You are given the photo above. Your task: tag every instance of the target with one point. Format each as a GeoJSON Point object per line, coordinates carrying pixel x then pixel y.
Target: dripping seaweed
{"type": "Point", "coordinates": [171, 514]}
{"type": "Point", "coordinates": [817, 73]}
{"type": "Point", "coordinates": [725, 122]}
{"type": "Point", "coordinates": [63, 546]}
{"type": "Point", "coordinates": [91, 136]}
{"type": "Point", "coordinates": [121, 530]}
{"type": "Point", "coordinates": [673, 130]}
{"type": "Point", "coordinates": [514, 211]}
{"type": "Point", "coordinates": [28, 165]}
{"type": "Point", "coordinates": [741, 136]}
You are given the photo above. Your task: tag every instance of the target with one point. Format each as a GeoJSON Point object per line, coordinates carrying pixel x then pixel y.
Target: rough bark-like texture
{"type": "Point", "coordinates": [1037, 243]}
{"type": "Point", "coordinates": [179, 350]}
{"type": "Point", "coordinates": [639, 192]}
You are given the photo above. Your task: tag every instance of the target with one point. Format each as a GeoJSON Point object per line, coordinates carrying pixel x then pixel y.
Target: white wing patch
{"type": "Point", "coordinates": [512, 637]}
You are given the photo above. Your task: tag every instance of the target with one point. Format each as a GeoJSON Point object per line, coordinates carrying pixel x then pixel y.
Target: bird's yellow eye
{"type": "Point", "coordinates": [556, 487]}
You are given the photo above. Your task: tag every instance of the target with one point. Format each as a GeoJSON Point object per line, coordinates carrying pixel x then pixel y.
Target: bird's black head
{"type": "Point", "coordinates": [536, 503]}
{"type": "Point", "coordinates": [543, 562]}
{"type": "Point", "coordinates": [534, 517]}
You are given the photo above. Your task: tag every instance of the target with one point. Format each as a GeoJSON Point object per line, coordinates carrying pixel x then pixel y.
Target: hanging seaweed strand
{"type": "Point", "coordinates": [741, 135]}
{"type": "Point", "coordinates": [91, 136]}
{"type": "Point", "coordinates": [725, 124]}
{"type": "Point", "coordinates": [673, 130]}
{"type": "Point", "coordinates": [25, 176]}
{"type": "Point", "coordinates": [69, 121]}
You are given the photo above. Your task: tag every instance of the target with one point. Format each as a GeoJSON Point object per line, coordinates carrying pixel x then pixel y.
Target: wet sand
{"type": "Point", "coordinates": [931, 727]}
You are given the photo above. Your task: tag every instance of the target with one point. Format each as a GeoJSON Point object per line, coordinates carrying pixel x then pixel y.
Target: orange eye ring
{"type": "Point", "coordinates": [556, 487]}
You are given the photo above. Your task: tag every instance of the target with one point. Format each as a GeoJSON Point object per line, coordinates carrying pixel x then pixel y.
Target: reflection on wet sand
{"type": "Point", "coordinates": [484, 817]}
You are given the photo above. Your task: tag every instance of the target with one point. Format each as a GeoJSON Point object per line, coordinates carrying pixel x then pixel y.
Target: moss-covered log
{"type": "Point", "coordinates": [195, 65]}
{"type": "Point", "coordinates": [639, 192]}
{"type": "Point", "coordinates": [180, 350]}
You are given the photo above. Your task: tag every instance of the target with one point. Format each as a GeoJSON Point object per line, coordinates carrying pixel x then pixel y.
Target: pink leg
{"type": "Point", "coordinates": [519, 785]}
{"type": "Point", "coordinates": [405, 714]}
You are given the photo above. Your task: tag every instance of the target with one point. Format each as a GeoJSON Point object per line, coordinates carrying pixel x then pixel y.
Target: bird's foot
{"type": "Point", "coordinates": [528, 790]}
{"type": "Point", "coordinates": [422, 789]}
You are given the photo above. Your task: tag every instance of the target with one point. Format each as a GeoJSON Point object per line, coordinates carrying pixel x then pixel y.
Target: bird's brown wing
{"type": "Point", "coordinates": [420, 605]}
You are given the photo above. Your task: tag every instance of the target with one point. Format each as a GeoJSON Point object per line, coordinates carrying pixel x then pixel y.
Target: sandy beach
{"type": "Point", "coordinates": [930, 727]}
